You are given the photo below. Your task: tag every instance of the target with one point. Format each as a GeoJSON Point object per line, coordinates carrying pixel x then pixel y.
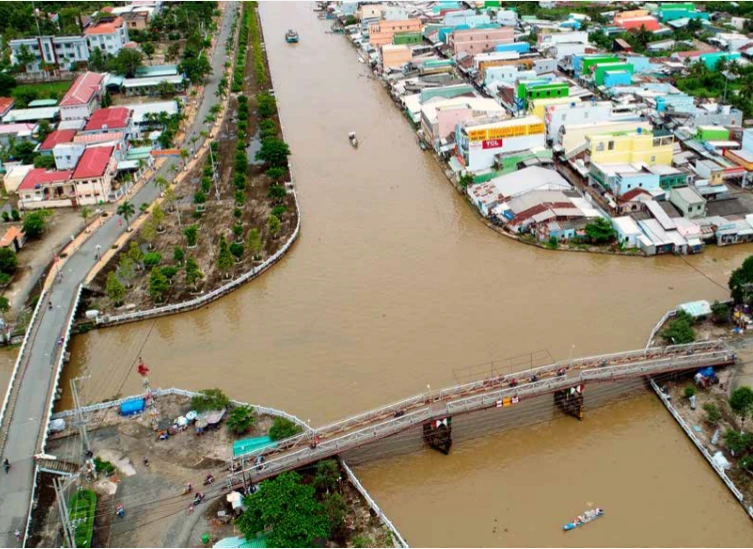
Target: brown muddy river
{"type": "Point", "coordinates": [395, 284]}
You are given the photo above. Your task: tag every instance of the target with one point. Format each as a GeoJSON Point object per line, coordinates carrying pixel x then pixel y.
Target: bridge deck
{"type": "Point", "coordinates": [380, 423]}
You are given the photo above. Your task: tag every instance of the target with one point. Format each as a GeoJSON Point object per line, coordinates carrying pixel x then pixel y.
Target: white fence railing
{"type": "Point", "coordinates": [181, 392]}
{"type": "Point", "coordinates": [59, 369]}
{"type": "Point", "coordinates": [374, 507]}
{"type": "Point", "coordinates": [17, 368]}
{"type": "Point", "coordinates": [669, 314]}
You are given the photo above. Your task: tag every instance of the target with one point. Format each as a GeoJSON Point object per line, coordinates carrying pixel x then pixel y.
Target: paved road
{"type": "Point", "coordinates": [29, 416]}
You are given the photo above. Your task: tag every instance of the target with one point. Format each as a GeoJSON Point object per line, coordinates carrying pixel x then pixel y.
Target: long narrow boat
{"type": "Point", "coordinates": [585, 518]}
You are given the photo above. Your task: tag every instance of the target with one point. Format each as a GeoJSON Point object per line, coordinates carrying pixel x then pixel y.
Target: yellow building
{"type": "Point", "coordinates": [537, 107]}
{"type": "Point", "coordinates": [628, 148]}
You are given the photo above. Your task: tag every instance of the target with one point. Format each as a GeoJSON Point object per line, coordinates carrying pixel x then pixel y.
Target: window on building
{"type": "Point", "coordinates": [600, 146]}
{"type": "Point", "coordinates": [653, 159]}
{"type": "Point", "coordinates": [610, 145]}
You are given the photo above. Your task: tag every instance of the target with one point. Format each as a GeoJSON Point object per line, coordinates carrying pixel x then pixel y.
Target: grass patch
{"type": "Point", "coordinates": [82, 506]}
{"type": "Point", "coordinates": [26, 93]}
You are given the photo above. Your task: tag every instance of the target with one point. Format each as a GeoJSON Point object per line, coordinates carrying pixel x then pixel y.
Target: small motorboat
{"type": "Point", "coordinates": [353, 139]}
{"type": "Point", "coordinates": [585, 518]}
{"type": "Point", "coordinates": [291, 37]}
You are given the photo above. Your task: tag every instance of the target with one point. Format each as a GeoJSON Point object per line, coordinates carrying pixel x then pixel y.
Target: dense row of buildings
{"type": "Point", "coordinates": [555, 131]}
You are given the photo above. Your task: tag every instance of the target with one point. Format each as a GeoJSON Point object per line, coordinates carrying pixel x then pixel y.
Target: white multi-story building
{"type": "Point", "coordinates": [62, 51]}
{"type": "Point", "coordinates": [110, 34]}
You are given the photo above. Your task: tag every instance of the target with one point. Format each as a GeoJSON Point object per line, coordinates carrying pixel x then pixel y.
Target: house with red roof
{"type": "Point", "coordinates": [93, 175]}
{"type": "Point", "coordinates": [83, 97]}
{"type": "Point", "coordinates": [46, 189]}
{"type": "Point", "coordinates": [56, 137]}
{"type": "Point", "coordinates": [110, 120]}
{"type": "Point", "coordinates": [6, 104]}
{"type": "Point", "coordinates": [109, 34]}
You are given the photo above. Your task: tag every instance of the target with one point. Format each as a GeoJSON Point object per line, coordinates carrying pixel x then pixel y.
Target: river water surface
{"type": "Point", "coordinates": [395, 284]}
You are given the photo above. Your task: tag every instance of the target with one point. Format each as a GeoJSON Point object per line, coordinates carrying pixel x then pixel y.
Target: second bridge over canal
{"type": "Point", "coordinates": [433, 411]}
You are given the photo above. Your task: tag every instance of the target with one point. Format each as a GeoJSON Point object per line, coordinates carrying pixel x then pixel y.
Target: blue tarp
{"type": "Point", "coordinates": [706, 372]}
{"type": "Point", "coordinates": [130, 407]}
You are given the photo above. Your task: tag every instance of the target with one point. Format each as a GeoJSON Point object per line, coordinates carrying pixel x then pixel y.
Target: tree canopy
{"type": "Point", "coordinates": [210, 399]}
{"type": "Point", "coordinates": [287, 507]}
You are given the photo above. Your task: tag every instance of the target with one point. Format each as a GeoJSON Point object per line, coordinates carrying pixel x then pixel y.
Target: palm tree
{"type": "Point", "coordinates": [126, 210]}
{"type": "Point", "coordinates": [746, 87]}
{"type": "Point", "coordinates": [162, 183]}
{"type": "Point", "coordinates": [184, 154]}
{"type": "Point", "coordinates": [170, 198]}
{"type": "Point", "coordinates": [85, 213]}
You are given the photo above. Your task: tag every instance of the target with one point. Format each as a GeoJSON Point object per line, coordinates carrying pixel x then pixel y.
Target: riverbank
{"type": "Point", "coordinates": [154, 490]}
{"type": "Point", "coordinates": [216, 230]}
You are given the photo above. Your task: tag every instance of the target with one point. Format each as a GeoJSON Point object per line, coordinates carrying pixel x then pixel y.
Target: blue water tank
{"type": "Point", "coordinates": [131, 407]}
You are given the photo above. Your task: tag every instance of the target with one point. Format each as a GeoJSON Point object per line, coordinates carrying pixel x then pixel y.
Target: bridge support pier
{"type": "Point", "coordinates": [438, 434]}
{"type": "Point", "coordinates": [570, 401]}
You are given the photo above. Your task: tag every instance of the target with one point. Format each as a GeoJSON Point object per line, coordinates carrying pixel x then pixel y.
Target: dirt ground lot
{"type": "Point", "coordinates": [156, 510]}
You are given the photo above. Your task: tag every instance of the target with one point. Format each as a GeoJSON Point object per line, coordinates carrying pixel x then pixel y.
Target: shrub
{"type": "Point", "coordinates": [158, 285]}
{"type": "Point", "coordinates": [279, 210]}
{"type": "Point", "coordinates": [680, 330]}
{"type": "Point", "coordinates": [34, 224]}
{"type": "Point", "coordinates": [239, 181]}
{"type": "Point", "coordinates": [199, 197]}
{"type": "Point", "coordinates": [276, 193]}
{"type": "Point", "coordinates": [689, 391]}
{"type": "Point", "coordinates": [266, 104]}
{"type": "Point", "coordinates": [241, 419]}
{"type": "Point", "coordinates": [8, 261]}
{"type": "Point", "coordinates": [210, 399]}
{"type": "Point", "coordinates": [713, 415]}
{"type": "Point", "coordinates": [102, 466]}
{"type": "Point", "coordinates": [115, 289]}
{"type": "Point", "coordinates": [6, 216]}
{"type": "Point", "coordinates": [236, 248]}
{"type": "Point", "coordinates": [237, 213]}
{"type": "Point", "coordinates": [82, 506]}
{"type": "Point", "coordinates": [206, 184]}
{"type": "Point", "coordinates": [240, 198]}
{"type": "Point", "coordinates": [720, 312]}
{"type": "Point", "coordinates": [276, 174]}
{"type": "Point", "coordinates": [191, 233]}
{"type": "Point", "coordinates": [152, 259]}
{"type": "Point", "coordinates": [274, 224]}
{"type": "Point", "coordinates": [178, 254]}
{"type": "Point", "coordinates": [170, 271]}
{"type": "Point", "coordinates": [283, 428]}
{"type": "Point", "coordinates": [15, 215]}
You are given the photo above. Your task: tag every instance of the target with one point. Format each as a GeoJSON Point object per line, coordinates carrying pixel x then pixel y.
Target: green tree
{"type": "Point", "coordinates": [44, 161]}
{"type": "Point", "coordinates": [465, 180]}
{"type": "Point", "coordinates": [173, 51]}
{"type": "Point", "coordinates": [166, 89]}
{"type": "Point", "coordinates": [152, 259]}
{"type": "Point", "coordinates": [209, 400]}
{"type": "Point", "coordinates": [335, 508]}
{"type": "Point", "coordinates": [287, 509]}
{"type": "Point", "coordinates": [43, 130]}
{"type": "Point", "coordinates": [274, 224]}
{"type": "Point", "coordinates": [34, 225]}
{"type": "Point", "coordinates": [741, 282]}
{"type": "Point", "coordinates": [713, 415]}
{"type": "Point", "coordinates": [158, 285]}
{"type": "Point", "coordinates": [738, 443]}
{"type": "Point", "coordinates": [266, 104]}
{"type": "Point", "coordinates": [236, 248]}
{"type": "Point", "coordinates": [4, 306]}
{"type": "Point", "coordinates": [178, 255]}
{"type": "Point", "coordinates": [126, 62]}
{"type": "Point", "coordinates": [193, 273]}
{"type": "Point", "coordinates": [254, 243]}
{"type": "Point", "coordinates": [149, 232]}
{"type": "Point", "coordinates": [135, 253]}
{"type": "Point", "coordinates": [283, 428]}
{"type": "Point", "coordinates": [277, 193]}
{"type": "Point", "coordinates": [741, 402]}
{"type": "Point", "coordinates": [24, 151]}
{"type": "Point", "coordinates": [680, 330]}
{"type": "Point", "coordinates": [225, 259]}
{"type": "Point", "coordinates": [25, 56]}
{"type": "Point", "coordinates": [8, 261]}
{"type": "Point", "coordinates": [196, 69]}
{"type": "Point", "coordinates": [274, 152]}
{"type": "Point", "coordinates": [158, 216]}
{"type": "Point", "coordinates": [106, 100]}
{"type": "Point", "coordinates": [126, 210]}
{"type": "Point", "coordinates": [126, 269]}
{"type": "Point", "coordinates": [600, 231]}
{"type": "Point", "coordinates": [276, 174]}
{"type": "Point", "coordinates": [191, 232]}
{"type": "Point", "coordinates": [170, 199]}
{"type": "Point", "coordinates": [115, 289]}
{"type": "Point", "coordinates": [241, 419]}
{"type": "Point", "coordinates": [85, 212]}
{"type": "Point", "coordinates": [148, 49]}
{"type": "Point", "coordinates": [326, 475]}
{"type": "Point", "coordinates": [7, 83]}
{"type": "Point", "coordinates": [97, 60]}
{"type": "Point", "coordinates": [720, 312]}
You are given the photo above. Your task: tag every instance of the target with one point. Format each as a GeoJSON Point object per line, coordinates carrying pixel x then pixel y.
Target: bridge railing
{"type": "Point", "coordinates": [486, 384]}
{"type": "Point", "coordinates": [18, 371]}
{"type": "Point", "coordinates": [462, 399]}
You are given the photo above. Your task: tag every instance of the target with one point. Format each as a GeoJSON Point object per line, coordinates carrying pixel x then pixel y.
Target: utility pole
{"type": "Point", "coordinates": [143, 371]}
{"type": "Point", "coordinates": [68, 528]}
{"type": "Point", "coordinates": [80, 417]}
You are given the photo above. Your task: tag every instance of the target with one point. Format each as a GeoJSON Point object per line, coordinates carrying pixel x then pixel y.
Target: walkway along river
{"type": "Point", "coordinates": [394, 284]}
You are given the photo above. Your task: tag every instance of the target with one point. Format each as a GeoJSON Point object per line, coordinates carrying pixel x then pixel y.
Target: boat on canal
{"type": "Point", "coordinates": [585, 518]}
{"type": "Point", "coordinates": [291, 37]}
{"type": "Point", "coordinates": [353, 139]}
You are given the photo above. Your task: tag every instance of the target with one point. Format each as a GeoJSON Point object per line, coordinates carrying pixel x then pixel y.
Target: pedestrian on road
{"type": "Point", "coordinates": [6, 465]}
{"type": "Point", "coordinates": [49, 305]}
{"type": "Point", "coordinates": [17, 533]}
